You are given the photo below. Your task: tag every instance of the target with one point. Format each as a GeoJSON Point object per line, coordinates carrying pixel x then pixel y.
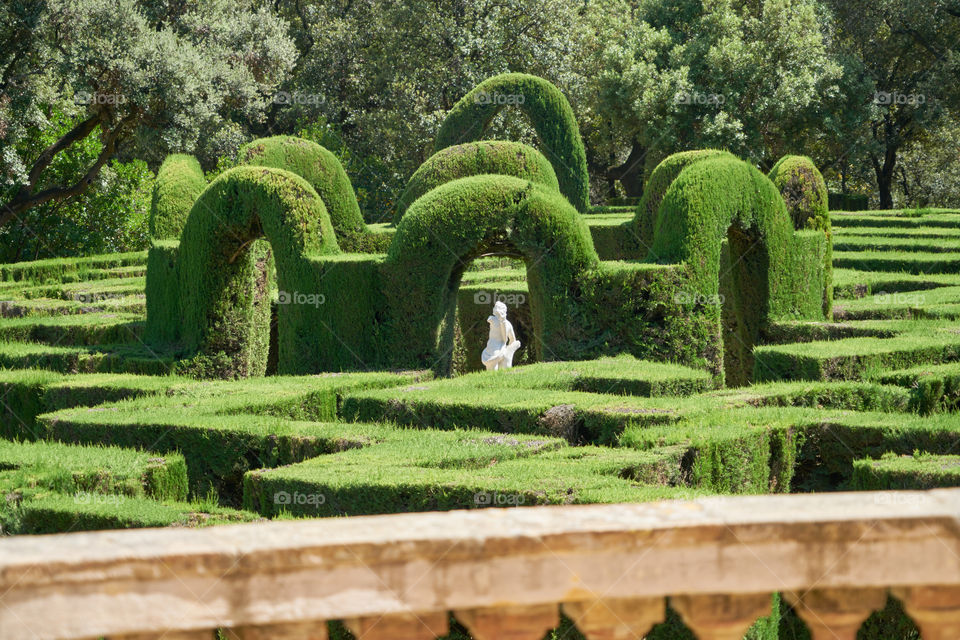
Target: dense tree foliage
{"type": "Point", "coordinates": [90, 90]}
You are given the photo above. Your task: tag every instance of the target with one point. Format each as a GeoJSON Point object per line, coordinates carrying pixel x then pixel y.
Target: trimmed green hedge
{"type": "Point", "coordinates": [919, 471]}
{"type": "Point", "coordinates": [476, 158]}
{"type": "Point", "coordinates": [451, 225]}
{"type": "Point", "coordinates": [225, 268]}
{"type": "Point", "coordinates": [644, 223]}
{"type": "Point", "coordinates": [550, 114]}
{"type": "Point", "coordinates": [804, 192]}
{"type": "Point", "coordinates": [179, 183]}
{"type": "Point", "coordinates": [322, 169]}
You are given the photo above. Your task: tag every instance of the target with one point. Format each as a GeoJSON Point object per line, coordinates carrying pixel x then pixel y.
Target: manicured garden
{"type": "Point", "coordinates": [273, 356]}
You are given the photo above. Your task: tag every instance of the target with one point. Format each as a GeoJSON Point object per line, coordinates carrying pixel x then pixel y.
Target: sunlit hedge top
{"type": "Point", "coordinates": [475, 158]}
{"type": "Point", "coordinates": [179, 182]}
{"type": "Point", "coordinates": [550, 114]}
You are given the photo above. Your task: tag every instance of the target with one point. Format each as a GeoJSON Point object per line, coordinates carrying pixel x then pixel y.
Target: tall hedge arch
{"type": "Point", "coordinates": [475, 158]}
{"type": "Point", "coordinates": [644, 222]}
{"type": "Point", "coordinates": [460, 220]}
{"type": "Point", "coordinates": [727, 223]}
{"type": "Point", "coordinates": [550, 114]}
{"type": "Point", "coordinates": [319, 167]}
{"type": "Point", "coordinates": [179, 182]}
{"type": "Point", "coordinates": [224, 272]}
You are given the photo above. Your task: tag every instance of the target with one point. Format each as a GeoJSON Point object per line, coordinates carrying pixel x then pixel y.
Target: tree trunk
{"type": "Point", "coordinates": [885, 176]}
{"type": "Point", "coordinates": [630, 173]}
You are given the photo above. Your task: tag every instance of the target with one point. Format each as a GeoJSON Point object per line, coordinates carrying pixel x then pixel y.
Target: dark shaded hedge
{"type": "Point", "coordinates": [475, 158]}
{"type": "Point", "coordinates": [549, 112]}
{"type": "Point", "coordinates": [804, 192]}
{"type": "Point", "coordinates": [179, 182]}
{"type": "Point", "coordinates": [847, 202]}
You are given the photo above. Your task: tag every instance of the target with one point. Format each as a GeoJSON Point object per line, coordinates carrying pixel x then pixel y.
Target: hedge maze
{"type": "Point", "coordinates": [271, 356]}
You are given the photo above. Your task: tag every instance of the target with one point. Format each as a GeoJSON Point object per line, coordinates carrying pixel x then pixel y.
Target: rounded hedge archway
{"type": "Point", "coordinates": [225, 269]}
{"type": "Point", "coordinates": [444, 230]}
{"type": "Point", "coordinates": [319, 167]}
{"type": "Point", "coordinates": [726, 221]}
{"type": "Point", "coordinates": [550, 114]}
{"type": "Point", "coordinates": [475, 158]}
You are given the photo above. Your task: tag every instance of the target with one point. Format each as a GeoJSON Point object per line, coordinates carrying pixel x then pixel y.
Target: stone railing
{"type": "Point", "coordinates": [504, 573]}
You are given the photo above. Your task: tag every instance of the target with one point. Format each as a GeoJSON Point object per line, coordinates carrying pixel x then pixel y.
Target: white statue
{"type": "Point", "coordinates": [502, 343]}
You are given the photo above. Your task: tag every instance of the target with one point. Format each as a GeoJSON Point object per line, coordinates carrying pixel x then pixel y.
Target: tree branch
{"type": "Point", "coordinates": [25, 199]}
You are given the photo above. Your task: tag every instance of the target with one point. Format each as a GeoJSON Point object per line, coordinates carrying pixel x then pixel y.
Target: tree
{"type": "Point", "coordinates": [907, 50]}
{"type": "Point", "coordinates": [152, 74]}
{"type": "Point", "coordinates": [692, 74]}
{"type": "Point", "coordinates": [382, 75]}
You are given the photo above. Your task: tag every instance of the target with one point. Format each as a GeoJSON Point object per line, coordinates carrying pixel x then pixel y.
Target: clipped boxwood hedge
{"type": "Point", "coordinates": [322, 170]}
{"type": "Point", "coordinates": [179, 182]}
{"type": "Point", "coordinates": [475, 158]}
{"type": "Point", "coordinates": [550, 114]}
{"type": "Point", "coordinates": [225, 269]}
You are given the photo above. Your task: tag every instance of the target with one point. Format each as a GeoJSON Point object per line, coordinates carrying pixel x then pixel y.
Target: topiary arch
{"type": "Point", "coordinates": [321, 169]}
{"type": "Point", "coordinates": [475, 158]}
{"type": "Point", "coordinates": [225, 273]}
{"type": "Point", "coordinates": [179, 181]}
{"type": "Point", "coordinates": [727, 222]}
{"type": "Point", "coordinates": [550, 114]}
{"type": "Point", "coordinates": [644, 222]}
{"type": "Point", "coordinates": [447, 228]}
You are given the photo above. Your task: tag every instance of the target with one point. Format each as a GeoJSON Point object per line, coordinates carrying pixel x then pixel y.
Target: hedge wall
{"type": "Point", "coordinates": [550, 114]}
{"type": "Point", "coordinates": [475, 158]}
{"type": "Point", "coordinates": [179, 182]}
{"type": "Point", "coordinates": [847, 202]}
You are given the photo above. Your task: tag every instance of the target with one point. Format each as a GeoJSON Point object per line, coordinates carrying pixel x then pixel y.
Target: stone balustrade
{"type": "Point", "coordinates": [506, 574]}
